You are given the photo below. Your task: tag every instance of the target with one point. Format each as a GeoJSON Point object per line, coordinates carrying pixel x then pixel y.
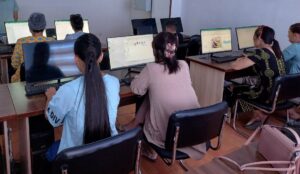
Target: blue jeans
{"type": "Point", "coordinates": [52, 151]}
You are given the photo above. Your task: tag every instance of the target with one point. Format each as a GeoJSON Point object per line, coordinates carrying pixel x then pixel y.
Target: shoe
{"type": "Point", "coordinates": [152, 156]}
{"type": "Point", "coordinates": [252, 125]}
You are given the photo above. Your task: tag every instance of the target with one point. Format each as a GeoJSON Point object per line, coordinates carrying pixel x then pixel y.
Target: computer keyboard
{"type": "Point", "coordinates": [126, 81]}
{"type": "Point", "coordinates": [40, 88]}
{"type": "Point", "coordinates": [225, 59]}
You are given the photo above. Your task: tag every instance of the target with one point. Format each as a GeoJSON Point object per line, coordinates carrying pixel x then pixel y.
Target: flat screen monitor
{"type": "Point", "coordinates": [216, 40]}
{"type": "Point", "coordinates": [45, 61]}
{"type": "Point", "coordinates": [17, 30]}
{"type": "Point", "coordinates": [144, 26]}
{"type": "Point", "coordinates": [63, 27]}
{"type": "Point", "coordinates": [177, 21]}
{"type": "Point", "coordinates": [130, 51]}
{"type": "Point", "coordinates": [245, 36]}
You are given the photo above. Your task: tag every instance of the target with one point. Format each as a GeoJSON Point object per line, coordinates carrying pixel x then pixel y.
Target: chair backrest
{"type": "Point", "coordinates": [194, 45]}
{"type": "Point", "coordinates": [289, 87]}
{"type": "Point", "coordinates": [181, 51]}
{"type": "Point", "coordinates": [196, 125]}
{"type": "Point", "coordinates": [114, 155]}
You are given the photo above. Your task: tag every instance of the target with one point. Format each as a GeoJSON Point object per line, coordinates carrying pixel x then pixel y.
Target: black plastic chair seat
{"type": "Point", "coordinates": [268, 106]}
{"type": "Point", "coordinates": [168, 154]}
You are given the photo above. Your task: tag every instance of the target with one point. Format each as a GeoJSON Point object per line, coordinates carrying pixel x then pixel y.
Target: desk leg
{"type": "Point", "coordinates": [6, 147]}
{"type": "Point", "coordinates": [25, 145]}
{"type": "Point", "coordinates": [4, 71]}
{"type": "Point", "coordinates": [208, 83]}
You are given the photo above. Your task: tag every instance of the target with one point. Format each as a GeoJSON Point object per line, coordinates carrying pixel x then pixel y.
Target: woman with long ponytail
{"type": "Point", "coordinates": [267, 63]}
{"type": "Point", "coordinates": [86, 106]}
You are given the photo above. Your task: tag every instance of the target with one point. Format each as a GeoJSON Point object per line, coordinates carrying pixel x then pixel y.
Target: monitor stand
{"type": "Point", "coordinates": [129, 76]}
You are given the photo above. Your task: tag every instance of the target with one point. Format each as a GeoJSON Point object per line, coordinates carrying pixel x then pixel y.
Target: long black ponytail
{"type": "Point", "coordinates": [96, 125]}
{"type": "Point", "coordinates": [268, 36]}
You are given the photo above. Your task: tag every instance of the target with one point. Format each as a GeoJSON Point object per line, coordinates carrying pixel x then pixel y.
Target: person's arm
{"type": "Point", "coordinates": [58, 105]}
{"type": "Point", "coordinates": [17, 55]}
{"type": "Point", "coordinates": [242, 63]}
{"type": "Point", "coordinates": [289, 53]}
{"type": "Point", "coordinates": [113, 100]}
{"type": "Point", "coordinates": [141, 82]}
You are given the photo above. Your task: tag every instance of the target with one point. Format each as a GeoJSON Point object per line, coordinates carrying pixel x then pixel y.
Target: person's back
{"type": "Point", "coordinates": [86, 107]}
{"type": "Point", "coordinates": [169, 88]}
{"type": "Point", "coordinates": [292, 53]}
{"type": "Point", "coordinates": [37, 24]}
{"type": "Point", "coordinates": [77, 25]}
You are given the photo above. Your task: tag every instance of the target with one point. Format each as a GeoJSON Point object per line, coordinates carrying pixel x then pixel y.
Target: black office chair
{"type": "Point", "coordinates": [192, 127]}
{"type": "Point", "coordinates": [194, 46]}
{"type": "Point", "coordinates": [119, 154]}
{"type": "Point", "coordinates": [181, 51]}
{"type": "Point", "coordinates": [285, 88]}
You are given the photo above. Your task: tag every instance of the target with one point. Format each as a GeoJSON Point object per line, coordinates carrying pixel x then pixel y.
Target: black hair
{"type": "Point", "coordinates": [37, 31]}
{"type": "Point", "coordinates": [295, 28]}
{"type": "Point", "coordinates": [96, 126]}
{"type": "Point", "coordinates": [76, 22]}
{"type": "Point", "coordinates": [159, 46]}
{"type": "Point", "coordinates": [171, 23]}
{"type": "Point", "coordinates": [267, 34]}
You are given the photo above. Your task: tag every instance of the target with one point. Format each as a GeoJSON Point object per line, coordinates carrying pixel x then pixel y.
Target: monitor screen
{"type": "Point", "coordinates": [144, 26]}
{"type": "Point", "coordinates": [216, 40]}
{"type": "Point", "coordinates": [46, 61]}
{"type": "Point", "coordinates": [63, 27]}
{"type": "Point", "coordinates": [130, 51]}
{"type": "Point", "coordinates": [245, 36]}
{"type": "Point", "coordinates": [177, 21]}
{"type": "Point", "coordinates": [17, 30]}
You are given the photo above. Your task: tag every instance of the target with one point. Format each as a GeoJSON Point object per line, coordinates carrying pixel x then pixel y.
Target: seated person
{"type": "Point", "coordinates": [171, 27]}
{"type": "Point", "coordinates": [77, 25]}
{"type": "Point", "coordinates": [37, 24]}
{"type": "Point", "coordinates": [170, 91]}
{"type": "Point", "coordinates": [87, 106]}
{"type": "Point", "coordinates": [267, 62]}
{"type": "Point", "coordinates": [291, 54]}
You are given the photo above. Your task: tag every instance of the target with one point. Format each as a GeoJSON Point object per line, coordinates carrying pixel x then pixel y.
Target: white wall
{"type": "Point", "coordinates": [160, 9]}
{"type": "Point", "coordinates": [107, 18]}
{"type": "Point", "coordinates": [279, 14]}
{"type": "Point", "coordinates": [176, 10]}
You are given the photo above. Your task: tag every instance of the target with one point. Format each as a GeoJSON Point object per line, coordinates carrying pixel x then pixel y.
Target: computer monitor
{"type": "Point", "coordinates": [177, 21]}
{"type": "Point", "coordinates": [129, 51]}
{"type": "Point", "coordinates": [17, 30]}
{"type": "Point", "coordinates": [63, 27]}
{"type": "Point", "coordinates": [216, 40]}
{"type": "Point", "coordinates": [245, 36]}
{"type": "Point", "coordinates": [144, 26]}
{"type": "Point", "coordinates": [45, 61]}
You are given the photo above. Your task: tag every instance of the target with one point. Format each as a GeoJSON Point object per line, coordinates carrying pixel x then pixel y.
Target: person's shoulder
{"type": "Point", "coordinates": [182, 63]}
{"type": "Point", "coordinates": [111, 80]}
{"type": "Point", "coordinates": [72, 85]}
{"type": "Point", "coordinates": [24, 39]}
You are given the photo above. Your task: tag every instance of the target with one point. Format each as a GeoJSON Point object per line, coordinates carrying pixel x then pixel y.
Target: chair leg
{"type": "Point", "coordinates": [235, 115]}
{"type": "Point", "coordinates": [182, 165]}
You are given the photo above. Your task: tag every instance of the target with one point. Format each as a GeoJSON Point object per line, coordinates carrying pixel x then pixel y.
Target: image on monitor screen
{"type": "Point", "coordinates": [63, 27]}
{"type": "Point", "coordinates": [144, 26]}
{"type": "Point", "coordinates": [216, 40]}
{"type": "Point", "coordinates": [46, 61]}
{"type": "Point", "coordinates": [129, 51]}
{"type": "Point", "coordinates": [245, 36]}
{"type": "Point", "coordinates": [17, 30]}
{"type": "Point", "coordinates": [177, 21]}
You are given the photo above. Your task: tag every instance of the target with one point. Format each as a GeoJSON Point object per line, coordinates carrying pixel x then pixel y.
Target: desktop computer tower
{"type": "Point", "coordinates": [41, 138]}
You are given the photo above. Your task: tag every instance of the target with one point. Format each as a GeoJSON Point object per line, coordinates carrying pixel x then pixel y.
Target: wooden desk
{"type": "Point", "coordinates": [4, 78]}
{"type": "Point", "coordinates": [208, 79]}
{"type": "Point", "coordinates": [16, 107]}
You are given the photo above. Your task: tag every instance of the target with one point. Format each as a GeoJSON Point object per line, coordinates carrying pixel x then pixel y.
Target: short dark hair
{"type": "Point", "coordinates": [37, 31]}
{"type": "Point", "coordinates": [171, 23]}
{"type": "Point", "coordinates": [76, 22]}
{"type": "Point", "coordinates": [295, 28]}
{"type": "Point", "coordinates": [159, 45]}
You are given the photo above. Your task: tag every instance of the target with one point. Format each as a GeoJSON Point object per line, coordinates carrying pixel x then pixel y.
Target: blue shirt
{"type": "Point", "coordinates": [7, 9]}
{"type": "Point", "coordinates": [67, 108]}
{"type": "Point", "coordinates": [74, 36]}
{"type": "Point", "coordinates": [292, 58]}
